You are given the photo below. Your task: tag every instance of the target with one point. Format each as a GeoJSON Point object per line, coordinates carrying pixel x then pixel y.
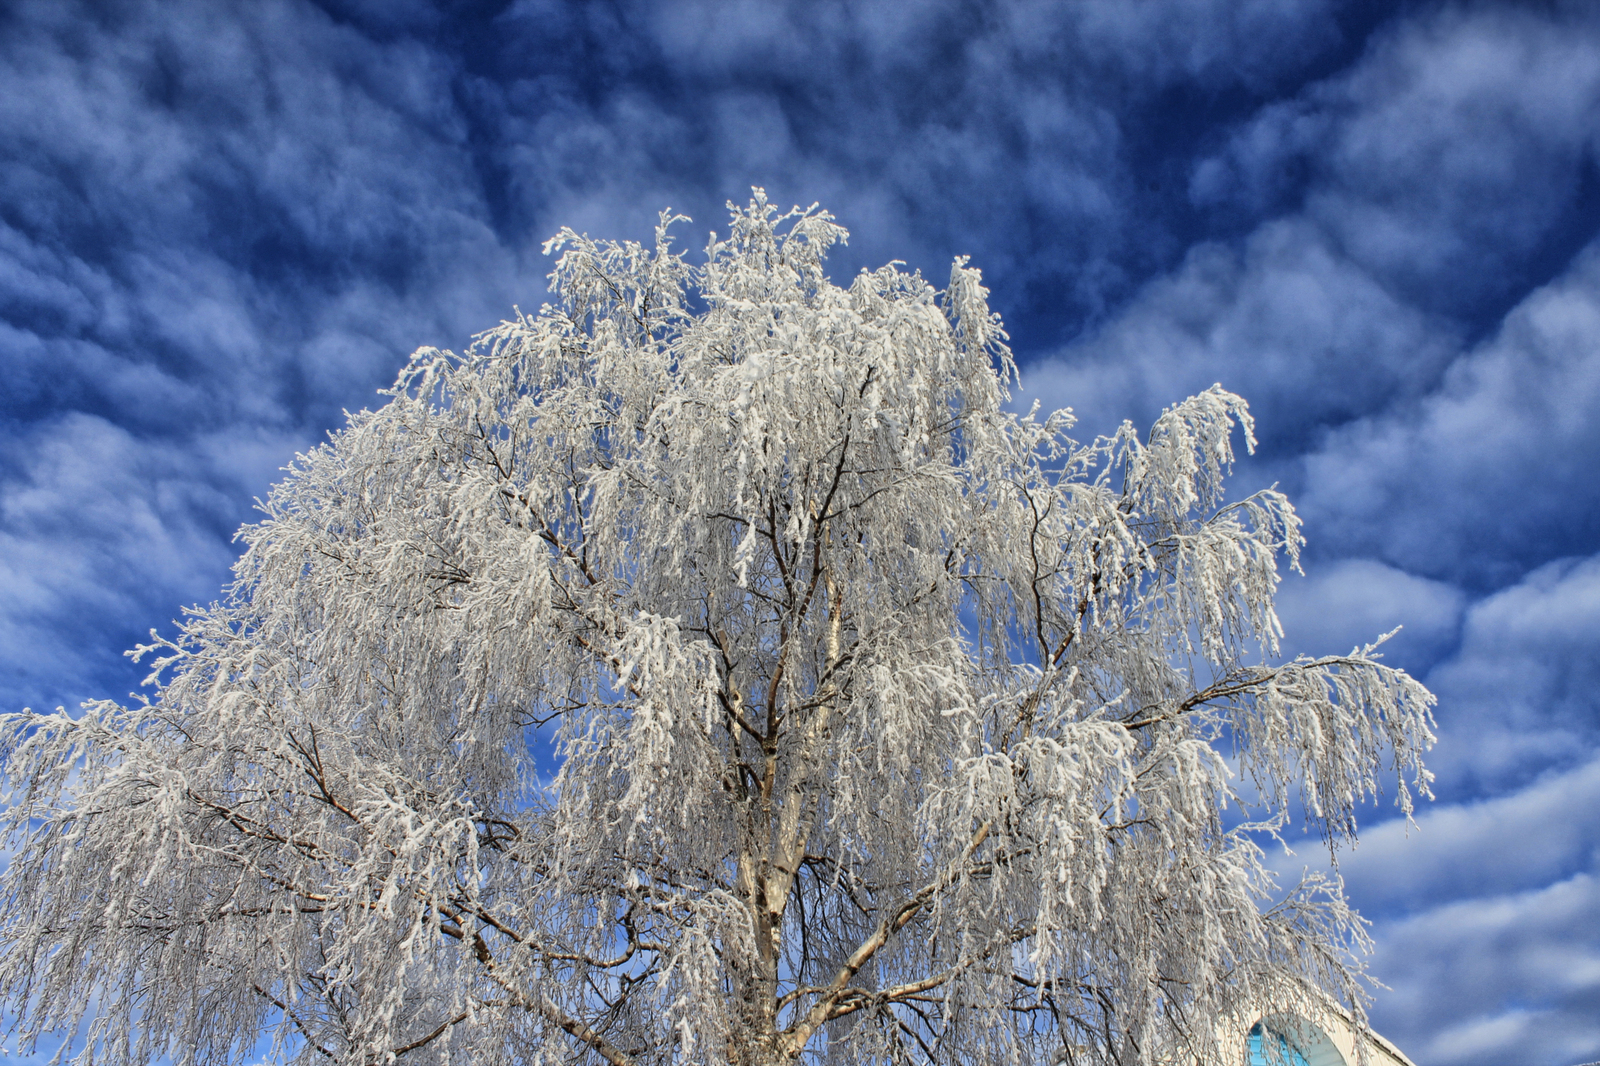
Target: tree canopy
{"type": "Point", "coordinates": [711, 668]}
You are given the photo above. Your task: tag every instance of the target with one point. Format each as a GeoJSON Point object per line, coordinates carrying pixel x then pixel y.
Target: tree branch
{"type": "Point", "coordinates": [798, 1034]}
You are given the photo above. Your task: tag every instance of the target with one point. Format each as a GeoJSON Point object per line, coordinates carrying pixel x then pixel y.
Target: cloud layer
{"type": "Point", "coordinates": [1489, 897]}
{"type": "Point", "coordinates": [223, 224]}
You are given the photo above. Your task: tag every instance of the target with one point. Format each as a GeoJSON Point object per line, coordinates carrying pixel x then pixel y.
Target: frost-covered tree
{"type": "Point", "coordinates": [711, 669]}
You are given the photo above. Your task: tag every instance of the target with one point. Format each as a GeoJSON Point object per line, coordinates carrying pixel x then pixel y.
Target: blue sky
{"type": "Point", "coordinates": [222, 224]}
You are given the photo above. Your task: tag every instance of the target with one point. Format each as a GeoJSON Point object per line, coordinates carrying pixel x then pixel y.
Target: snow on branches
{"type": "Point", "coordinates": [709, 668]}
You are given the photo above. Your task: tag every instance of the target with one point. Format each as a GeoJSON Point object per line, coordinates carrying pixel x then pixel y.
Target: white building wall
{"type": "Point", "coordinates": [1332, 1041]}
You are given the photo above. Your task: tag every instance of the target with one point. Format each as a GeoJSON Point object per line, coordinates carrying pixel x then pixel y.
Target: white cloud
{"type": "Point", "coordinates": [1344, 603]}
{"type": "Point", "coordinates": [926, 130]}
{"type": "Point", "coordinates": [1488, 909]}
{"type": "Point", "coordinates": [1443, 156]}
{"type": "Point", "coordinates": [1150, 45]}
{"type": "Point", "coordinates": [1487, 924]}
{"type": "Point", "coordinates": [1304, 335]}
{"type": "Point", "coordinates": [98, 524]}
{"type": "Point", "coordinates": [1494, 467]}
{"type": "Point", "coordinates": [1512, 843]}
{"type": "Point", "coordinates": [231, 220]}
{"type": "Point", "coordinates": [1523, 692]}
{"type": "Point", "coordinates": [1507, 979]}
{"type": "Point", "coordinates": [198, 192]}
{"type": "Point", "coordinates": [1216, 41]}
{"type": "Point", "coordinates": [1440, 161]}
{"type": "Point", "coordinates": [223, 225]}
{"type": "Point", "coordinates": [1467, 131]}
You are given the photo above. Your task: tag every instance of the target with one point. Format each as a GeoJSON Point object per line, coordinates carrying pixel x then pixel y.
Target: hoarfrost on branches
{"type": "Point", "coordinates": [709, 668]}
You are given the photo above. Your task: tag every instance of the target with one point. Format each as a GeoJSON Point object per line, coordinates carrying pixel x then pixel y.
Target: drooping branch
{"type": "Point", "coordinates": [891, 923]}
